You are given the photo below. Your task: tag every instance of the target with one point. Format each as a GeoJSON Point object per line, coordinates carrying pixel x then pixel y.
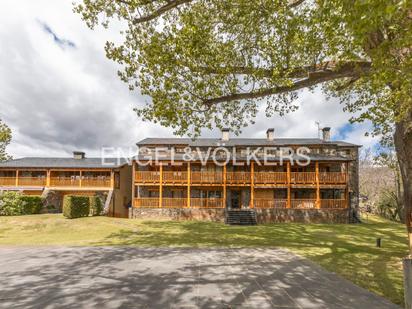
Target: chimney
{"type": "Point", "coordinates": [326, 134]}
{"type": "Point", "coordinates": [270, 134]}
{"type": "Point", "coordinates": [225, 134]}
{"type": "Point", "coordinates": [79, 155]}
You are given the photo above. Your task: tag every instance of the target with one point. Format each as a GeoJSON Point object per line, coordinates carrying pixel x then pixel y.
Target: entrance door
{"type": "Point", "coordinates": [235, 199]}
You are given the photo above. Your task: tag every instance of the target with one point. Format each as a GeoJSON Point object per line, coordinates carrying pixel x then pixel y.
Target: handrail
{"type": "Point", "coordinates": [238, 177]}
{"type": "Point", "coordinates": [333, 203]}
{"type": "Point", "coordinates": [303, 203]}
{"type": "Point", "coordinates": [147, 176]}
{"type": "Point", "coordinates": [198, 177]}
{"type": "Point", "coordinates": [174, 202]}
{"type": "Point", "coordinates": [270, 177]}
{"type": "Point", "coordinates": [146, 202]}
{"type": "Point", "coordinates": [332, 177]}
{"type": "Point", "coordinates": [270, 203]}
{"type": "Point", "coordinates": [206, 203]}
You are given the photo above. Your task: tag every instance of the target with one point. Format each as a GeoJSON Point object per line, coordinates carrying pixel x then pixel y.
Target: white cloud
{"type": "Point", "coordinates": [60, 99]}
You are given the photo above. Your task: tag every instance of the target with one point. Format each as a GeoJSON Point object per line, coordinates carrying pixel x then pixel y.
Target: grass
{"type": "Point", "coordinates": [347, 249]}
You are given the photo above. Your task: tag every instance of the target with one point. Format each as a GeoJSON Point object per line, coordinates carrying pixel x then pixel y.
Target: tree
{"type": "Point", "coordinates": [5, 138]}
{"type": "Point", "coordinates": [391, 196]}
{"type": "Point", "coordinates": [212, 62]}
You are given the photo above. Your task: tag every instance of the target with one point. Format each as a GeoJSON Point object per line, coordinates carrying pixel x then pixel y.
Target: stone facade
{"type": "Point", "coordinates": [275, 215]}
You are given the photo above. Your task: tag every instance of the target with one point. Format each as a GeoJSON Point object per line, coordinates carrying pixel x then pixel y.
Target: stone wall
{"type": "Point", "coordinates": [263, 215]}
{"type": "Point", "coordinates": [216, 215]}
{"type": "Point", "coordinates": [281, 215]}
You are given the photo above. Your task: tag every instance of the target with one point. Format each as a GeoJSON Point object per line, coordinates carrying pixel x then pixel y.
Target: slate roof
{"type": "Point", "coordinates": [210, 142]}
{"type": "Point", "coordinates": [31, 162]}
{"type": "Point", "coordinates": [180, 157]}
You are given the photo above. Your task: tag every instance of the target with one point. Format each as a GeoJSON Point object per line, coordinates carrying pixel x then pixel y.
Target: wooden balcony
{"type": "Point", "coordinates": [175, 177]}
{"type": "Point", "coordinates": [270, 203]}
{"type": "Point", "coordinates": [7, 181]}
{"type": "Point", "coordinates": [303, 178]}
{"type": "Point", "coordinates": [146, 202]}
{"type": "Point", "coordinates": [92, 182]}
{"type": "Point", "coordinates": [211, 178]}
{"type": "Point", "coordinates": [303, 203]}
{"type": "Point", "coordinates": [238, 178]}
{"type": "Point", "coordinates": [32, 181]}
{"type": "Point", "coordinates": [333, 203]}
{"type": "Point", "coordinates": [147, 176]}
{"type": "Point", "coordinates": [332, 178]}
{"type": "Point", "coordinates": [267, 178]}
{"type": "Point", "coordinates": [207, 203]}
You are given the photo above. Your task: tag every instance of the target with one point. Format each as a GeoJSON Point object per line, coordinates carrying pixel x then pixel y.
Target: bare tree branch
{"type": "Point", "coordinates": [163, 9]}
{"type": "Point", "coordinates": [314, 78]}
{"type": "Point", "coordinates": [295, 3]}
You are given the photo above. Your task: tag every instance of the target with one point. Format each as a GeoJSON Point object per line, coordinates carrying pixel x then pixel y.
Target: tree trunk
{"type": "Point", "coordinates": [403, 146]}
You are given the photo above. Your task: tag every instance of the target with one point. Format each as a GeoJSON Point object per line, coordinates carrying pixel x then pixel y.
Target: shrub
{"type": "Point", "coordinates": [96, 205]}
{"type": "Point", "coordinates": [11, 204]}
{"type": "Point", "coordinates": [31, 205]}
{"type": "Point", "coordinates": [76, 206]}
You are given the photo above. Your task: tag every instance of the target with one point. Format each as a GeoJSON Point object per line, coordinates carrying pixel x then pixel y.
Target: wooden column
{"type": "Point", "coordinates": [188, 184]}
{"type": "Point", "coordinates": [288, 177]}
{"type": "Point", "coordinates": [224, 185]}
{"type": "Point", "coordinates": [17, 178]}
{"type": "Point", "coordinates": [317, 184]}
{"type": "Point", "coordinates": [112, 179]}
{"type": "Point", "coordinates": [161, 186]}
{"type": "Point", "coordinates": [80, 180]}
{"type": "Point", "coordinates": [48, 178]}
{"type": "Point", "coordinates": [252, 184]}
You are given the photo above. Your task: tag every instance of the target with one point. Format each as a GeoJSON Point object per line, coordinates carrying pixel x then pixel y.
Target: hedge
{"type": "Point", "coordinates": [15, 204]}
{"type": "Point", "coordinates": [76, 206]}
{"type": "Point", "coordinates": [32, 204]}
{"type": "Point", "coordinates": [96, 205]}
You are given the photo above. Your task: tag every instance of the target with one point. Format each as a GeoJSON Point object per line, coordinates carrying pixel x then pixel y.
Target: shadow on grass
{"type": "Point", "coordinates": [348, 250]}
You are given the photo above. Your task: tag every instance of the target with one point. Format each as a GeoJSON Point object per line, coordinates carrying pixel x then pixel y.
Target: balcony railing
{"type": "Point", "coordinates": [270, 203]}
{"type": "Point", "coordinates": [270, 178]}
{"type": "Point", "coordinates": [32, 181]}
{"type": "Point", "coordinates": [333, 203]}
{"type": "Point", "coordinates": [303, 178]}
{"type": "Point", "coordinates": [303, 203]}
{"type": "Point", "coordinates": [332, 177]}
{"type": "Point", "coordinates": [64, 181]}
{"type": "Point", "coordinates": [147, 176]}
{"type": "Point", "coordinates": [96, 182]}
{"type": "Point", "coordinates": [146, 202]}
{"type": "Point", "coordinates": [238, 178]}
{"type": "Point", "coordinates": [7, 181]}
{"type": "Point", "coordinates": [206, 178]}
{"type": "Point", "coordinates": [172, 177]}
{"type": "Point", "coordinates": [207, 203]}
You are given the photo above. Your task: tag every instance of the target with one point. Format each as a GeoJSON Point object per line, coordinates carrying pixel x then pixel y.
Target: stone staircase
{"type": "Point", "coordinates": [241, 217]}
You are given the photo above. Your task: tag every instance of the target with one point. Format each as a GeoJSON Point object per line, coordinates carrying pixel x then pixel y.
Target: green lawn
{"type": "Point", "coordinates": [348, 250]}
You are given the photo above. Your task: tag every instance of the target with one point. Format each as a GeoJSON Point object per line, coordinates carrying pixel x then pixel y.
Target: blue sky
{"type": "Point", "coordinates": [60, 93]}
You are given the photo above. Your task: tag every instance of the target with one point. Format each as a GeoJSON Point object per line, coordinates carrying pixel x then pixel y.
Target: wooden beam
{"type": "Point", "coordinates": [188, 184]}
{"type": "Point", "coordinates": [80, 179]}
{"type": "Point", "coordinates": [224, 185]}
{"type": "Point", "coordinates": [317, 184]}
{"type": "Point", "coordinates": [17, 178]}
{"type": "Point", "coordinates": [161, 187]}
{"type": "Point", "coordinates": [288, 177]}
{"type": "Point", "coordinates": [133, 182]}
{"type": "Point", "coordinates": [252, 184]}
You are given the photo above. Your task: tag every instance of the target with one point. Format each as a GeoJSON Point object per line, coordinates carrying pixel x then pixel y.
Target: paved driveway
{"type": "Point", "coordinates": [171, 278]}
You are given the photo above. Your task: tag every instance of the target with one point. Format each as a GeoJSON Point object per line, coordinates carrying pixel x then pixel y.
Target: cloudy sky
{"type": "Point", "coordinates": [58, 92]}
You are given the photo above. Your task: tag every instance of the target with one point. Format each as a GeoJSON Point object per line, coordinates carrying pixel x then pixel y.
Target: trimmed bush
{"type": "Point", "coordinates": [96, 205]}
{"type": "Point", "coordinates": [75, 206]}
{"type": "Point", "coordinates": [11, 204]}
{"type": "Point", "coordinates": [32, 204]}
